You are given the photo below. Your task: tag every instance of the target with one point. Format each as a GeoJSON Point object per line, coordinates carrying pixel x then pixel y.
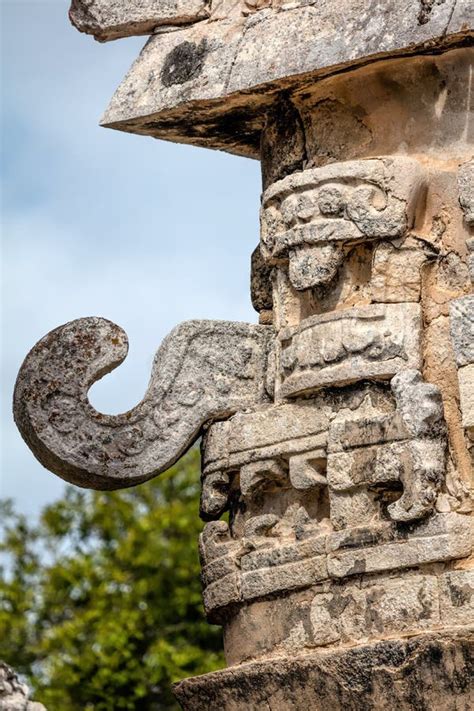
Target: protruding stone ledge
{"type": "Point", "coordinates": [426, 671]}
{"type": "Point", "coordinates": [211, 84]}
{"type": "Point", "coordinates": [112, 19]}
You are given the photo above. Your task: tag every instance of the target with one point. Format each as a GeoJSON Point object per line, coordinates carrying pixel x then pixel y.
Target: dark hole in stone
{"type": "Point", "coordinates": [183, 63]}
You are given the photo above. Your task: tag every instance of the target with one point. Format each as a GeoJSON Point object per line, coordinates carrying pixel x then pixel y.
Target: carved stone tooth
{"type": "Point", "coordinates": [257, 475]}
{"type": "Point", "coordinates": [215, 541]}
{"type": "Point", "coordinates": [260, 525]}
{"type": "Point", "coordinates": [214, 495]}
{"type": "Point", "coordinates": [314, 265]}
{"type": "Point", "coordinates": [307, 471]}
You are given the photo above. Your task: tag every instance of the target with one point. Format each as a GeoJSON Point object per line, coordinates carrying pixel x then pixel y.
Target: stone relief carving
{"type": "Point", "coordinates": [343, 346]}
{"type": "Point", "coordinates": [314, 484]}
{"type": "Point", "coordinates": [202, 370]}
{"type": "Point", "coordinates": [310, 216]}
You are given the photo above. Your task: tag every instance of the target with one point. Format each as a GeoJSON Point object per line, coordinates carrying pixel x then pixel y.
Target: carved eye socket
{"type": "Point", "coordinates": [331, 201]}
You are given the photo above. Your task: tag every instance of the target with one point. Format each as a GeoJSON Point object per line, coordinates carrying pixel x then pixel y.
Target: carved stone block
{"type": "Point", "coordinates": [310, 215]}
{"type": "Point", "coordinates": [342, 347]}
{"type": "Point", "coordinates": [275, 432]}
{"type": "Point", "coordinates": [453, 540]}
{"type": "Point", "coordinates": [396, 272]}
{"type": "Point", "coordinates": [223, 592]}
{"type": "Point", "coordinates": [397, 671]}
{"type": "Point", "coordinates": [227, 83]}
{"type": "Point", "coordinates": [282, 554]}
{"type": "Point", "coordinates": [266, 581]}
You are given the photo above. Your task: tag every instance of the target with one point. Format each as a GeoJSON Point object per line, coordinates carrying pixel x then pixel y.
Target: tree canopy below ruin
{"type": "Point", "coordinates": [100, 602]}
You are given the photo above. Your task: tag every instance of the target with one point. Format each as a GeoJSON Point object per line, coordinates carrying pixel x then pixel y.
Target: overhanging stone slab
{"type": "Point", "coordinates": [109, 19]}
{"type": "Point", "coordinates": [209, 83]}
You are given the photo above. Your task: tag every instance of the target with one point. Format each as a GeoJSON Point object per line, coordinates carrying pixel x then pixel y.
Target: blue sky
{"type": "Point", "coordinates": [98, 222]}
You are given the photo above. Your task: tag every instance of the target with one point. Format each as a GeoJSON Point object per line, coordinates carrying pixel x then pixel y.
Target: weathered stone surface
{"type": "Point", "coordinates": [466, 190]}
{"type": "Point", "coordinates": [355, 508]}
{"type": "Point", "coordinates": [388, 607]}
{"type": "Point", "coordinates": [470, 259]}
{"type": "Point", "coordinates": [14, 695]}
{"type": "Point", "coordinates": [202, 370]}
{"type": "Point", "coordinates": [109, 19]}
{"type": "Point", "coordinates": [283, 554]}
{"type": "Point", "coordinates": [260, 282]}
{"type": "Point", "coordinates": [419, 404]}
{"type": "Point", "coordinates": [224, 80]}
{"type": "Point", "coordinates": [214, 495]}
{"type": "Point", "coordinates": [396, 272]}
{"type": "Point", "coordinates": [425, 671]}
{"type": "Point", "coordinates": [215, 541]}
{"type": "Point", "coordinates": [255, 436]}
{"type": "Point", "coordinates": [266, 581]}
{"type": "Point", "coordinates": [466, 390]}
{"type": "Point", "coordinates": [457, 597]}
{"type": "Point", "coordinates": [341, 347]}
{"type": "Point", "coordinates": [462, 329]}
{"type": "Point", "coordinates": [457, 542]}
{"type": "Point", "coordinates": [223, 592]}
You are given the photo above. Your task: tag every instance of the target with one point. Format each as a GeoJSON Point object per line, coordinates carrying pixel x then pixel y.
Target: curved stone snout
{"type": "Point", "coordinates": [203, 370]}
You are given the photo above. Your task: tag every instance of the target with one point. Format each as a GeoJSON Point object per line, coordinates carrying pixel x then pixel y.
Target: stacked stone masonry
{"type": "Point", "coordinates": [337, 435]}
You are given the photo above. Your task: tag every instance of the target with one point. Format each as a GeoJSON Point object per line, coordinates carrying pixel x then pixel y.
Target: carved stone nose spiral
{"type": "Point", "coordinates": [202, 370]}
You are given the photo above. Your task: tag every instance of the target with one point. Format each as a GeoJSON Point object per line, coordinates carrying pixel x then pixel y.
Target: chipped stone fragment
{"type": "Point", "coordinates": [14, 695]}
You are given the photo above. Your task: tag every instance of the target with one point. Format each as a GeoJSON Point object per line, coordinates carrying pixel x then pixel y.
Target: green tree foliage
{"type": "Point", "coordinates": [100, 602]}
